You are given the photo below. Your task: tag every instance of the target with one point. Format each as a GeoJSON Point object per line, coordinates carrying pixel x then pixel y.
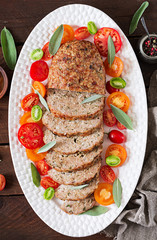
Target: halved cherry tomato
{"type": "Point", "coordinates": [29, 101]}
{"type": "Point", "coordinates": [48, 182]}
{"type": "Point", "coordinates": [46, 54]}
{"type": "Point", "coordinates": [120, 100]}
{"type": "Point", "coordinates": [107, 174]}
{"type": "Point", "coordinates": [30, 135]}
{"type": "Point", "coordinates": [68, 34]}
{"type": "Point", "coordinates": [42, 167]}
{"type": "Point", "coordinates": [120, 126]}
{"type": "Point", "coordinates": [115, 69]}
{"type": "Point", "coordinates": [111, 89]}
{"type": "Point", "coordinates": [39, 71]}
{"type": "Point", "coordinates": [81, 33]}
{"type": "Point", "coordinates": [39, 87]}
{"type": "Point", "coordinates": [101, 40]}
{"type": "Point", "coordinates": [26, 118]}
{"type": "Point", "coordinates": [116, 136]}
{"type": "Point", "coordinates": [117, 150]}
{"type": "Point", "coordinates": [109, 118]}
{"type": "Point", "coordinates": [34, 156]}
{"type": "Point", "coordinates": [2, 182]}
{"type": "Point", "coordinates": [103, 194]}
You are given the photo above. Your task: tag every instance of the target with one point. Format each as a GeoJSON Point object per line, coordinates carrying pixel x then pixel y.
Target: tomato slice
{"type": "Point", "coordinates": [2, 182]}
{"type": "Point", "coordinates": [39, 71]}
{"type": "Point", "coordinates": [47, 182]}
{"type": "Point", "coordinates": [109, 118]}
{"type": "Point", "coordinates": [46, 54]}
{"type": "Point", "coordinates": [115, 69]}
{"type": "Point", "coordinates": [34, 156]}
{"type": "Point", "coordinates": [107, 174]}
{"type": "Point", "coordinates": [39, 87]}
{"type": "Point", "coordinates": [103, 194]}
{"type": "Point", "coordinates": [120, 100]}
{"type": "Point", "coordinates": [81, 33]}
{"type": "Point", "coordinates": [117, 150]}
{"type": "Point", "coordinates": [120, 126]}
{"type": "Point", "coordinates": [101, 40]}
{"type": "Point", "coordinates": [26, 118]}
{"type": "Point", "coordinates": [42, 167]}
{"type": "Point", "coordinates": [29, 101]}
{"type": "Point", "coordinates": [30, 135]}
{"type": "Point", "coordinates": [68, 34]}
{"type": "Point", "coordinates": [111, 89]}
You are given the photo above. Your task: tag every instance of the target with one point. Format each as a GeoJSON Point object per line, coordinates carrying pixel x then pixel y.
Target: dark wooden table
{"type": "Point", "coordinates": [17, 219]}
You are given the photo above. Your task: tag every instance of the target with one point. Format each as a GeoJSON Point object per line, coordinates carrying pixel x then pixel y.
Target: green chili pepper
{"type": "Point", "coordinates": [117, 82]}
{"type": "Point", "coordinates": [49, 193]}
{"type": "Point", "coordinates": [113, 160]}
{"type": "Point", "coordinates": [35, 175]}
{"type": "Point", "coordinates": [92, 28]}
{"type": "Point", "coordinates": [36, 113]}
{"type": "Point", "coordinates": [36, 54]}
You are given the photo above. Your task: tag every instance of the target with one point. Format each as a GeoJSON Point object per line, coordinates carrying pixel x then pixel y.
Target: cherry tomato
{"type": "Point", "coordinates": [111, 89]}
{"type": "Point", "coordinates": [42, 167]}
{"type": "Point", "coordinates": [101, 40]}
{"type": "Point", "coordinates": [30, 135]}
{"type": "Point", "coordinates": [29, 101]}
{"type": "Point", "coordinates": [116, 136]}
{"type": "Point", "coordinates": [48, 182]}
{"type": "Point", "coordinates": [39, 71]}
{"type": "Point", "coordinates": [103, 194]}
{"type": "Point", "coordinates": [115, 69]}
{"type": "Point", "coordinates": [109, 118]}
{"type": "Point", "coordinates": [107, 174]}
{"type": "Point", "coordinates": [26, 118]}
{"type": "Point", "coordinates": [2, 182]}
{"type": "Point", "coordinates": [46, 54]}
{"type": "Point", "coordinates": [39, 87]}
{"type": "Point", "coordinates": [120, 126]}
{"type": "Point", "coordinates": [81, 33]}
{"type": "Point", "coordinates": [68, 34]}
{"type": "Point", "coordinates": [120, 100]}
{"type": "Point", "coordinates": [34, 156]}
{"type": "Point", "coordinates": [117, 150]}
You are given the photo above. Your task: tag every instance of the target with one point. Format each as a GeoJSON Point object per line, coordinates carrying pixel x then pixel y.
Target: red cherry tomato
{"type": "Point", "coordinates": [109, 118]}
{"type": "Point", "coordinates": [29, 101]}
{"type": "Point", "coordinates": [81, 33]}
{"type": "Point", "coordinates": [42, 167]}
{"type": "Point", "coordinates": [48, 182]}
{"type": "Point", "coordinates": [120, 126]}
{"type": "Point", "coordinates": [39, 71]}
{"type": "Point", "coordinates": [116, 136]}
{"type": "Point", "coordinates": [2, 182]}
{"type": "Point", "coordinates": [46, 56]}
{"type": "Point", "coordinates": [110, 89]}
{"type": "Point", "coordinates": [107, 174]}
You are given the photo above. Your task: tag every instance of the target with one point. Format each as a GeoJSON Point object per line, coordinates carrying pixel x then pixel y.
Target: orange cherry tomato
{"type": "Point", "coordinates": [46, 54]}
{"type": "Point", "coordinates": [103, 194]}
{"type": "Point", "coordinates": [26, 118]}
{"type": "Point", "coordinates": [120, 100]}
{"type": "Point", "coordinates": [117, 150]}
{"type": "Point", "coordinates": [39, 87]}
{"type": "Point", "coordinates": [2, 182]}
{"type": "Point", "coordinates": [34, 156]}
{"type": "Point", "coordinates": [68, 34]}
{"type": "Point", "coordinates": [115, 69]}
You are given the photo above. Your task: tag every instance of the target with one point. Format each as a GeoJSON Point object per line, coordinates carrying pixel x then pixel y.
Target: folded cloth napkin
{"type": "Point", "coordinates": [138, 221]}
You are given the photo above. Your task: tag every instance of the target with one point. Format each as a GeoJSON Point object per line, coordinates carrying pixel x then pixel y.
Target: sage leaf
{"type": "Point", "coordinates": [117, 192]}
{"type": "Point", "coordinates": [137, 16]}
{"type": "Point", "coordinates": [35, 175]}
{"type": "Point", "coordinates": [92, 98]}
{"type": "Point", "coordinates": [96, 211]}
{"type": "Point", "coordinates": [47, 146]}
{"type": "Point", "coordinates": [122, 117]}
{"type": "Point", "coordinates": [111, 51]}
{"type": "Point", "coordinates": [55, 40]}
{"type": "Point", "coordinates": [79, 187]}
{"type": "Point", "coordinates": [8, 48]}
{"type": "Point", "coordinates": [42, 100]}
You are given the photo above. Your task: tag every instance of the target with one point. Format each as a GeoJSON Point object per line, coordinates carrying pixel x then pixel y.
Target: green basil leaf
{"type": "Point", "coordinates": [42, 100]}
{"type": "Point", "coordinates": [49, 193]}
{"type": "Point", "coordinates": [35, 175]}
{"type": "Point", "coordinates": [117, 192]}
{"type": "Point", "coordinates": [92, 28]}
{"type": "Point", "coordinates": [55, 40]}
{"type": "Point", "coordinates": [92, 98]}
{"type": "Point", "coordinates": [137, 16]}
{"type": "Point", "coordinates": [36, 54]}
{"type": "Point", "coordinates": [111, 51]}
{"type": "Point", "coordinates": [118, 82]}
{"type": "Point", "coordinates": [8, 48]}
{"type": "Point", "coordinates": [96, 211]}
{"type": "Point", "coordinates": [79, 187]}
{"type": "Point", "coordinates": [122, 117]}
{"type": "Point", "coordinates": [113, 160]}
{"type": "Point", "coordinates": [47, 147]}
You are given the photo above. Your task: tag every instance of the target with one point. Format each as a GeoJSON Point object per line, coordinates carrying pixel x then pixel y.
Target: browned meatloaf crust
{"type": "Point", "coordinates": [77, 66]}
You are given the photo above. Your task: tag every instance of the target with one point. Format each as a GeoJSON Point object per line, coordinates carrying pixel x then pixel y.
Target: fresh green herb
{"type": "Point", "coordinates": [118, 82]}
{"type": "Point", "coordinates": [8, 48]}
{"type": "Point", "coordinates": [42, 100]}
{"type": "Point", "coordinates": [79, 187]}
{"type": "Point", "coordinates": [92, 98]}
{"type": "Point", "coordinates": [122, 117]}
{"type": "Point", "coordinates": [113, 160]}
{"type": "Point", "coordinates": [36, 54]}
{"type": "Point", "coordinates": [47, 146]}
{"type": "Point", "coordinates": [96, 211]}
{"type": "Point", "coordinates": [35, 175]}
{"type": "Point", "coordinates": [137, 16]}
{"type": "Point", "coordinates": [117, 192]}
{"type": "Point", "coordinates": [111, 51]}
{"type": "Point", "coordinates": [92, 28]}
{"type": "Point", "coordinates": [55, 40]}
{"type": "Point", "coordinates": [49, 193]}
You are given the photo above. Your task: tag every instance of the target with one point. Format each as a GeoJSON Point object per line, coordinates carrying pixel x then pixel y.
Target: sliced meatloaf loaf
{"type": "Point", "coordinates": [68, 145]}
{"type": "Point", "coordinates": [64, 127]}
{"type": "Point", "coordinates": [66, 192]}
{"type": "Point", "coordinates": [76, 177]}
{"type": "Point", "coordinates": [77, 207]}
{"type": "Point", "coordinates": [77, 66]}
{"type": "Point", "coordinates": [66, 104]}
{"type": "Point", "coordinates": [79, 160]}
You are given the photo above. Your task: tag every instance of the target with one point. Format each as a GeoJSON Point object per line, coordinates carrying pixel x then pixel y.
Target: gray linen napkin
{"type": "Point", "coordinates": [138, 221]}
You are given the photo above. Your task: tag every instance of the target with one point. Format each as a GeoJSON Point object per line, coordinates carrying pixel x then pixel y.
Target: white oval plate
{"type": "Point", "coordinates": [49, 211]}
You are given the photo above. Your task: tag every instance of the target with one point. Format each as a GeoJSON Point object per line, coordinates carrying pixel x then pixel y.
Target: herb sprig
{"type": "Point", "coordinates": [96, 211]}
{"type": "Point", "coordinates": [92, 98]}
{"type": "Point", "coordinates": [47, 147]}
{"type": "Point", "coordinates": [111, 51]}
{"type": "Point", "coordinates": [55, 40]}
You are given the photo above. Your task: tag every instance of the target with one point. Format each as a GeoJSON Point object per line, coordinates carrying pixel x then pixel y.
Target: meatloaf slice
{"type": "Point", "coordinates": [64, 127]}
{"type": "Point", "coordinates": [68, 145]}
{"type": "Point", "coordinates": [66, 104]}
{"type": "Point", "coordinates": [76, 177]}
{"type": "Point", "coordinates": [77, 207]}
{"type": "Point", "coordinates": [79, 160]}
